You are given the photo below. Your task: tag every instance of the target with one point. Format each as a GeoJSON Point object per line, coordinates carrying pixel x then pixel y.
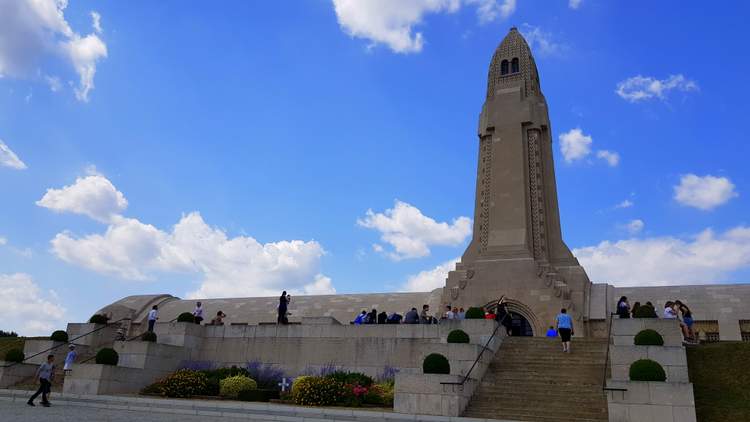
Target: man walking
{"type": "Point", "coordinates": [45, 373]}
{"type": "Point", "coordinates": [565, 328]}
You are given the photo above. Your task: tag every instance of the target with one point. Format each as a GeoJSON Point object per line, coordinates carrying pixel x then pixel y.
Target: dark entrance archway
{"type": "Point", "coordinates": [520, 326]}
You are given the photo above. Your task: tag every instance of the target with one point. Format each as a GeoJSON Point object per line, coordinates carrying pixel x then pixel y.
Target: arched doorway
{"type": "Point", "coordinates": [523, 322]}
{"type": "Point", "coordinates": [520, 326]}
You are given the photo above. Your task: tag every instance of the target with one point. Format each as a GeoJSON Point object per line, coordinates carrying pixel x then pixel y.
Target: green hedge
{"type": "Point", "coordinates": [98, 319]}
{"type": "Point", "coordinates": [59, 335]}
{"type": "Point", "coordinates": [458, 336]}
{"type": "Point", "coordinates": [435, 363]}
{"type": "Point", "coordinates": [645, 311]}
{"type": "Point", "coordinates": [149, 336]}
{"type": "Point", "coordinates": [647, 370]}
{"type": "Point", "coordinates": [14, 355]}
{"type": "Point", "coordinates": [474, 313]}
{"type": "Point", "coordinates": [353, 378]}
{"type": "Point", "coordinates": [648, 337]}
{"type": "Point", "coordinates": [186, 317]}
{"type": "Point", "coordinates": [232, 386]}
{"type": "Point", "coordinates": [107, 356]}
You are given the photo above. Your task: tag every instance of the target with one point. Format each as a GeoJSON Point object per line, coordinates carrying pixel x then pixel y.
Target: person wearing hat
{"type": "Point", "coordinates": [70, 359]}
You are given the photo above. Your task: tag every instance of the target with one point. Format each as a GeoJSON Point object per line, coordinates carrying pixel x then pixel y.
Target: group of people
{"type": "Point", "coordinates": [153, 316]}
{"type": "Point", "coordinates": [410, 317]}
{"type": "Point", "coordinates": [673, 309]}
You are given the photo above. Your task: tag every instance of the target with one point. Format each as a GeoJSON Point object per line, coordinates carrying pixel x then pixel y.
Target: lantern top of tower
{"type": "Point", "coordinates": [513, 65]}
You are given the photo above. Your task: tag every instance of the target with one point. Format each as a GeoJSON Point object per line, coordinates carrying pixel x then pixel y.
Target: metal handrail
{"type": "Point", "coordinates": [481, 352]}
{"type": "Point", "coordinates": [64, 343]}
{"type": "Point", "coordinates": [606, 359]}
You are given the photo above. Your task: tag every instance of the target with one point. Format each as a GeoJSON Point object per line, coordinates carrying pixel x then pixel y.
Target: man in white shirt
{"type": "Point", "coordinates": [152, 317]}
{"type": "Point", "coordinates": [198, 313]}
{"type": "Point", "coordinates": [449, 313]}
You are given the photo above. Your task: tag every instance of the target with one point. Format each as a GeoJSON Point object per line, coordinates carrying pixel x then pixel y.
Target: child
{"type": "Point", "coordinates": [552, 333]}
{"type": "Point", "coordinates": [70, 359]}
{"type": "Point", "coordinates": [45, 373]}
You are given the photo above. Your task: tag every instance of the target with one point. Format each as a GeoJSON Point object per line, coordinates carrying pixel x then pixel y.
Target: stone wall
{"type": "Point", "coordinates": [11, 374]}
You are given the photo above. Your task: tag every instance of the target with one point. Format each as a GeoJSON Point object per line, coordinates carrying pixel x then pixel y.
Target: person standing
{"type": "Point", "coordinates": [153, 315]}
{"type": "Point", "coordinates": [424, 317]}
{"type": "Point", "coordinates": [449, 314]}
{"type": "Point", "coordinates": [412, 317]}
{"type": "Point", "coordinates": [198, 313]}
{"type": "Point", "coordinates": [45, 373]}
{"type": "Point", "coordinates": [283, 307]}
{"type": "Point", "coordinates": [70, 359]}
{"type": "Point", "coordinates": [564, 325]}
{"type": "Point", "coordinates": [687, 321]}
{"type": "Point", "coordinates": [461, 313]}
{"type": "Point", "coordinates": [623, 308]}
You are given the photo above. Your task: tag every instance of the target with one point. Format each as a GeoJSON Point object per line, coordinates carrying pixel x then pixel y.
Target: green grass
{"type": "Point", "coordinates": [7, 343]}
{"type": "Point", "coordinates": [721, 381]}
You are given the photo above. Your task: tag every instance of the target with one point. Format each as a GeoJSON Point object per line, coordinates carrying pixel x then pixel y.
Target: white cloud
{"type": "Point", "coordinates": [639, 88]}
{"type": "Point", "coordinates": [3, 241]}
{"type": "Point", "coordinates": [392, 22]}
{"type": "Point", "coordinates": [574, 145]}
{"type": "Point", "coordinates": [27, 309]}
{"type": "Point", "coordinates": [35, 33]}
{"type": "Point", "coordinates": [541, 42]}
{"type": "Point", "coordinates": [429, 280]}
{"type": "Point", "coordinates": [93, 195]}
{"type": "Point", "coordinates": [411, 233]}
{"type": "Point", "coordinates": [704, 192]}
{"type": "Point", "coordinates": [237, 267]}
{"type": "Point", "coordinates": [9, 159]}
{"type": "Point", "coordinates": [96, 22]}
{"type": "Point", "coordinates": [574, 4]}
{"type": "Point", "coordinates": [612, 158]}
{"type": "Point", "coordinates": [625, 204]}
{"type": "Point", "coordinates": [705, 258]}
{"type": "Point", "coordinates": [635, 226]}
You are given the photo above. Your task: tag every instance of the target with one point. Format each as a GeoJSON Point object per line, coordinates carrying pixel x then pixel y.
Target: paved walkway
{"type": "Point", "coordinates": [19, 412]}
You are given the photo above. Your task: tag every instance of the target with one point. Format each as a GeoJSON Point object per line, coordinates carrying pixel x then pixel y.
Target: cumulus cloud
{"type": "Point", "coordinates": [574, 145]}
{"type": "Point", "coordinates": [34, 33]}
{"type": "Point", "coordinates": [29, 310]}
{"type": "Point", "coordinates": [574, 4]}
{"type": "Point", "coordinates": [93, 195]}
{"type": "Point", "coordinates": [704, 192]}
{"type": "Point", "coordinates": [429, 280]}
{"type": "Point", "coordinates": [640, 88]}
{"type": "Point", "coordinates": [8, 158]}
{"type": "Point", "coordinates": [540, 41]}
{"type": "Point", "coordinates": [392, 22]}
{"type": "Point", "coordinates": [228, 266]}
{"type": "Point", "coordinates": [705, 258]}
{"type": "Point", "coordinates": [612, 158]}
{"type": "Point", "coordinates": [411, 233]}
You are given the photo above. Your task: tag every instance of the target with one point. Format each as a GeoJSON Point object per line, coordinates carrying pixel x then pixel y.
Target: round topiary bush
{"type": "Point", "coordinates": [232, 386]}
{"type": "Point", "coordinates": [107, 356]}
{"type": "Point", "coordinates": [647, 370]}
{"type": "Point", "coordinates": [435, 363]}
{"type": "Point", "coordinates": [184, 383]}
{"type": "Point", "coordinates": [317, 391]}
{"type": "Point", "coordinates": [98, 319]}
{"type": "Point", "coordinates": [186, 317]}
{"type": "Point", "coordinates": [474, 313]}
{"type": "Point", "coordinates": [14, 355]}
{"type": "Point", "coordinates": [59, 335]}
{"type": "Point", "coordinates": [149, 336]}
{"type": "Point", "coordinates": [458, 336]}
{"type": "Point", "coordinates": [648, 337]}
{"type": "Point", "coordinates": [645, 311]}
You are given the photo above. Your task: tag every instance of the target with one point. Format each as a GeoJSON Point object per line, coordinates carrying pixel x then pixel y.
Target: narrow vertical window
{"type": "Point", "coordinates": [504, 67]}
{"type": "Point", "coordinates": [514, 65]}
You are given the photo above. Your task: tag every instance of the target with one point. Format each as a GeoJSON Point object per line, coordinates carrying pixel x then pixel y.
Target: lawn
{"type": "Point", "coordinates": [720, 374]}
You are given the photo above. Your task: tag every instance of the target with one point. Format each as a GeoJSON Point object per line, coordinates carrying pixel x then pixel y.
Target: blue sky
{"type": "Point", "coordinates": [234, 149]}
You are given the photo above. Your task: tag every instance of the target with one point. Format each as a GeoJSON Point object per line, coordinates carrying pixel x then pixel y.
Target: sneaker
{"type": "Point", "coordinates": [30, 403]}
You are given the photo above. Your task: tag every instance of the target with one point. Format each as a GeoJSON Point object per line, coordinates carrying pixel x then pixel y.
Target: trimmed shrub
{"type": "Point", "coordinates": [645, 311]}
{"type": "Point", "coordinates": [435, 363]}
{"type": "Point", "coordinates": [59, 335]}
{"type": "Point", "coordinates": [98, 319]}
{"type": "Point", "coordinates": [474, 313]}
{"type": "Point", "coordinates": [317, 391]}
{"type": "Point", "coordinates": [353, 378]}
{"type": "Point", "coordinates": [648, 337]}
{"type": "Point", "coordinates": [647, 370]}
{"type": "Point", "coordinates": [184, 383]}
{"type": "Point", "coordinates": [14, 355]}
{"type": "Point", "coordinates": [149, 336]}
{"type": "Point", "coordinates": [231, 387]}
{"type": "Point", "coordinates": [186, 317]}
{"type": "Point", "coordinates": [458, 336]}
{"type": "Point", "coordinates": [214, 377]}
{"type": "Point", "coordinates": [107, 356]}
{"type": "Point", "coordinates": [299, 381]}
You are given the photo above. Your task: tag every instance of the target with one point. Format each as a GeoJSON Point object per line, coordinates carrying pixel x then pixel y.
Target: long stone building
{"type": "Point", "coordinates": [517, 251]}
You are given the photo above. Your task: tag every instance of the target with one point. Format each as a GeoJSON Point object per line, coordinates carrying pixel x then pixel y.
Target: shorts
{"type": "Point", "coordinates": [688, 321]}
{"type": "Point", "coordinates": [564, 334]}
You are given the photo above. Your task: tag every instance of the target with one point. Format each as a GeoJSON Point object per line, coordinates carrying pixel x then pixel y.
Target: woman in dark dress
{"type": "Point", "coordinates": [282, 309]}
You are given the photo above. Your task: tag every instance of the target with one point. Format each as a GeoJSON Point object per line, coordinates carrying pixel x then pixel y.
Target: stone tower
{"type": "Point", "coordinates": [517, 249]}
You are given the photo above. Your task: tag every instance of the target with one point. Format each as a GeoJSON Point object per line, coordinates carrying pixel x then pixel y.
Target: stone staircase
{"type": "Point", "coordinates": [531, 379]}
